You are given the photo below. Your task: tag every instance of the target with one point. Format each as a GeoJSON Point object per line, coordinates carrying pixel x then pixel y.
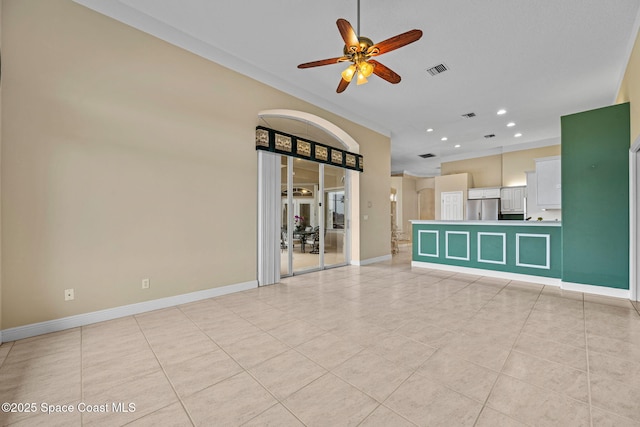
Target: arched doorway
{"type": "Point", "coordinates": [273, 170]}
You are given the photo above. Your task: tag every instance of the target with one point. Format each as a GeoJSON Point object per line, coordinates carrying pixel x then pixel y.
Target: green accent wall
{"type": "Point", "coordinates": [595, 197]}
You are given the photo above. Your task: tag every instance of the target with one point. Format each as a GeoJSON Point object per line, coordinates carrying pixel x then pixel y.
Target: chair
{"type": "Point", "coordinates": [304, 237]}
{"type": "Point", "coordinates": [284, 243]}
{"type": "Point", "coordinates": [316, 242]}
{"type": "Point", "coordinates": [395, 247]}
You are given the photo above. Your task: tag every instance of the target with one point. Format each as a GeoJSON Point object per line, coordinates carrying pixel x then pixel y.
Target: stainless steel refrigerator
{"type": "Point", "coordinates": [483, 209]}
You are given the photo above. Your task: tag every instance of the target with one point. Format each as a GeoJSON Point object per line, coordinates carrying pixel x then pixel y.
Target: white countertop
{"type": "Point", "coordinates": [501, 223]}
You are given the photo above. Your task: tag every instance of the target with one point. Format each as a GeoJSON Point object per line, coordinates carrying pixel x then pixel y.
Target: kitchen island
{"type": "Point", "coordinates": [518, 250]}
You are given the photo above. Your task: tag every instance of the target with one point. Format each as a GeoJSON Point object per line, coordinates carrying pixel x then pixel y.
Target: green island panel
{"type": "Point", "coordinates": [492, 248]}
{"type": "Point", "coordinates": [533, 250]}
{"type": "Point", "coordinates": [506, 248]}
{"type": "Point", "coordinates": [428, 243]}
{"type": "Point", "coordinates": [457, 245]}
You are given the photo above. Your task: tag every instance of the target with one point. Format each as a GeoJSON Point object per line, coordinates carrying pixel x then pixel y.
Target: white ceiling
{"type": "Point", "coordinates": [538, 59]}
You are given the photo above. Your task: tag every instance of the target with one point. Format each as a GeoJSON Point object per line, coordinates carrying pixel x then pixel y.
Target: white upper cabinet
{"type": "Point", "coordinates": [484, 193]}
{"type": "Point", "coordinates": [548, 180]}
{"type": "Point", "coordinates": [512, 200]}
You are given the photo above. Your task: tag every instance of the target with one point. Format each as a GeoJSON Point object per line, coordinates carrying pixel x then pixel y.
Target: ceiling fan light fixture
{"type": "Point", "coordinates": [361, 79]}
{"type": "Point", "coordinates": [365, 68]}
{"type": "Point", "coordinates": [349, 72]}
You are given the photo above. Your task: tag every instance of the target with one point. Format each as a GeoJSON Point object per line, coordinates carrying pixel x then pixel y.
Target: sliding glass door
{"type": "Point", "coordinates": [335, 215]}
{"type": "Point", "coordinates": [314, 217]}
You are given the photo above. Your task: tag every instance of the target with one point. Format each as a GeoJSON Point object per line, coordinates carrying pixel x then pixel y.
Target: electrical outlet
{"type": "Point", "coordinates": [146, 283]}
{"type": "Point", "coordinates": [69, 295]}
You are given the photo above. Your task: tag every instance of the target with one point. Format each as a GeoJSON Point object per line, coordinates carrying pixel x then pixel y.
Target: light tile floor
{"type": "Point", "coordinates": [378, 345]}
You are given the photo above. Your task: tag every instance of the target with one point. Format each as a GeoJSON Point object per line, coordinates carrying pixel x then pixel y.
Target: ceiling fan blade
{"type": "Point", "coordinates": [394, 42]}
{"type": "Point", "coordinates": [323, 62]}
{"type": "Point", "coordinates": [348, 35]}
{"type": "Point", "coordinates": [342, 85]}
{"type": "Point", "coordinates": [384, 72]}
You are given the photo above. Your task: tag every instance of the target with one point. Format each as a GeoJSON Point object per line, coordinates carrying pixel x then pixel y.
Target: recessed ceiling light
{"type": "Point", "coordinates": [457, 146]}
{"type": "Point", "coordinates": [518, 135]}
{"type": "Point", "coordinates": [444, 138]}
{"type": "Point", "coordinates": [501, 112]}
{"type": "Point", "coordinates": [510, 125]}
{"type": "Point", "coordinates": [429, 130]}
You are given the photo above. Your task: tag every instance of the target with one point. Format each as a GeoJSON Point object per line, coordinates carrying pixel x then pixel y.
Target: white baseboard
{"type": "Point", "coordinates": [372, 260]}
{"type": "Point", "coordinates": [568, 286]}
{"type": "Point", "coordinates": [597, 290]}
{"type": "Point", "coordinates": [549, 281]}
{"type": "Point", "coordinates": [26, 331]}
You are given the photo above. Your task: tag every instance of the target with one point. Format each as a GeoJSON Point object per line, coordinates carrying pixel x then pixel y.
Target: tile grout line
{"type": "Point", "coordinates": [4, 360]}
{"type": "Point", "coordinates": [273, 406]}
{"type": "Point", "coordinates": [484, 405]}
{"type": "Point", "coordinates": [245, 370]}
{"type": "Point", "coordinates": [10, 345]}
{"type": "Point", "coordinates": [415, 371]}
{"type": "Point", "coordinates": [81, 372]}
{"type": "Point", "coordinates": [586, 351]}
{"type": "Point", "coordinates": [588, 403]}
{"type": "Point", "coordinates": [281, 402]}
{"type": "Point", "coordinates": [390, 394]}
{"type": "Point", "coordinates": [220, 348]}
{"type": "Point", "coordinates": [165, 375]}
{"type": "Point", "coordinates": [8, 352]}
{"type": "Point", "coordinates": [330, 371]}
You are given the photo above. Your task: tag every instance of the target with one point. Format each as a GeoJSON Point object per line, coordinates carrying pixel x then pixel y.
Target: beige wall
{"type": "Point", "coordinates": [409, 203]}
{"type": "Point", "coordinates": [124, 157]}
{"type": "Point", "coordinates": [501, 170]}
{"type": "Point", "coordinates": [396, 189]}
{"type": "Point", "coordinates": [457, 182]}
{"type": "Point", "coordinates": [516, 163]}
{"type": "Point", "coordinates": [484, 171]}
{"type": "Point", "coordinates": [630, 89]}
{"type": "Point", "coordinates": [427, 204]}
{"type": "Point", "coordinates": [404, 187]}
{"type": "Point", "coordinates": [426, 189]}
{"type": "Point", "coordinates": [422, 183]}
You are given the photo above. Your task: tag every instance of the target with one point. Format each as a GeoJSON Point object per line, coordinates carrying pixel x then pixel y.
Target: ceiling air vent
{"type": "Point", "coordinates": [426, 156]}
{"type": "Point", "coordinates": [440, 68]}
{"type": "Point", "coordinates": [491, 135]}
{"type": "Point", "coordinates": [469, 115]}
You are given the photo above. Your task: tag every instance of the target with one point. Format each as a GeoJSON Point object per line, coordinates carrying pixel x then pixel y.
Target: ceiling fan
{"type": "Point", "coordinates": [358, 50]}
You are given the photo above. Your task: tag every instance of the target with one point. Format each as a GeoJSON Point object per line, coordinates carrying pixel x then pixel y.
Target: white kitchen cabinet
{"type": "Point", "coordinates": [484, 193]}
{"type": "Point", "coordinates": [548, 183]}
{"type": "Point", "coordinates": [512, 200]}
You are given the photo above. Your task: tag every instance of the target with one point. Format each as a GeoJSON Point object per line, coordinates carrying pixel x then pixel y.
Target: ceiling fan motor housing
{"type": "Point", "coordinates": [364, 42]}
